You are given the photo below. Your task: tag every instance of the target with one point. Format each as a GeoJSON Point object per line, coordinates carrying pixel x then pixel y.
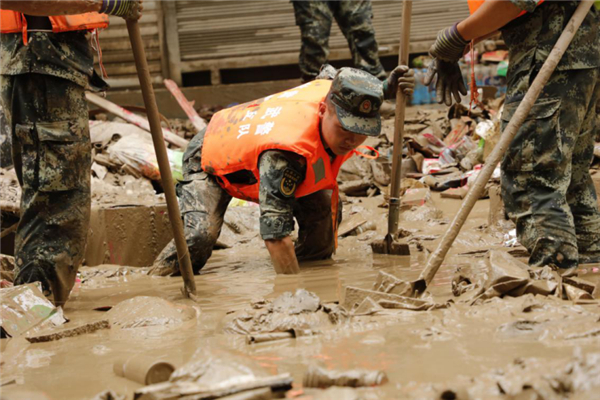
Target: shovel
{"type": "Point", "coordinates": [141, 64]}
{"type": "Point", "coordinates": [388, 245]}
{"type": "Point", "coordinates": [416, 288]}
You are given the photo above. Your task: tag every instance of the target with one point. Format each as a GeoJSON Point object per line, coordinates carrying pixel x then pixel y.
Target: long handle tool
{"type": "Point", "coordinates": [387, 245]}
{"type": "Point", "coordinates": [141, 63]}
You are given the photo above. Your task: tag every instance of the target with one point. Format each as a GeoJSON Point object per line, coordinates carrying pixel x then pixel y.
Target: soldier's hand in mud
{"type": "Point", "coordinates": [283, 255]}
{"type": "Point", "coordinates": [126, 9]}
{"type": "Point", "coordinates": [402, 77]}
{"type": "Point", "coordinates": [449, 81]}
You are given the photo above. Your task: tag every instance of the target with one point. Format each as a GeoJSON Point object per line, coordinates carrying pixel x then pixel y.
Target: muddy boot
{"type": "Point", "coordinates": [164, 268]}
{"type": "Point", "coordinates": [34, 273]}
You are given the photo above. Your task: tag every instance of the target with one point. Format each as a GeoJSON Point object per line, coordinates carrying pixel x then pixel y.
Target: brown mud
{"type": "Point", "coordinates": [511, 343]}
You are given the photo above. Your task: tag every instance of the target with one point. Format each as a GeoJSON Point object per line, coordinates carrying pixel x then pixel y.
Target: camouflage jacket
{"type": "Point", "coordinates": [530, 38]}
{"type": "Point", "coordinates": [65, 55]}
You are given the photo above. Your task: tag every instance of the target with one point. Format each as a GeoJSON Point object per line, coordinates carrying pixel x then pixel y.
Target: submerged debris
{"type": "Point", "coordinates": [288, 316]}
{"type": "Point", "coordinates": [503, 275]}
{"type": "Point", "coordinates": [319, 377]}
{"type": "Point", "coordinates": [216, 373]}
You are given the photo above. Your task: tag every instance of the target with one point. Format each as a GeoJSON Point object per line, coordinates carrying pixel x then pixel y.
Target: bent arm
{"type": "Point", "coordinates": [491, 16]}
{"type": "Point", "coordinates": [283, 255]}
{"type": "Point", "coordinates": [42, 8]}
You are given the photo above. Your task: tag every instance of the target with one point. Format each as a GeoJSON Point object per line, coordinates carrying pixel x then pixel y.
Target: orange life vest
{"type": "Point", "coordinates": [13, 22]}
{"type": "Point", "coordinates": [475, 4]}
{"type": "Point", "coordinates": [236, 137]}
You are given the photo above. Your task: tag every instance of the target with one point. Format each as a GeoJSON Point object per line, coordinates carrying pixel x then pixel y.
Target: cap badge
{"type": "Point", "coordinates": [366, 106]}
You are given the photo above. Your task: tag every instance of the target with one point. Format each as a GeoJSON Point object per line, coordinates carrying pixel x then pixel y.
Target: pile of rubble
{"type": "Point", "coordinates": [443, 151]}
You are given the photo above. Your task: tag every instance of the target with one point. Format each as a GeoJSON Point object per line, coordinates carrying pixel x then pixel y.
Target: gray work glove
{"type": "Point", "coordinates": [127, 9]}
{"type": "Point", "coordinates": [449, 81]}
{"type": "Point", "coordinates": [448, 48]}
{"type": "Point", "coordinates": [401, 76]}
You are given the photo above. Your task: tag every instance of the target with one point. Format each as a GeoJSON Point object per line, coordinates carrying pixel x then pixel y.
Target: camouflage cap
{"type": "Point", "coordinates": [357, 96]}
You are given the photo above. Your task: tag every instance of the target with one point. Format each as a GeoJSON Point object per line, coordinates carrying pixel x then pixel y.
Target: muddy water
{"type": "Point", "coordinates": [413, 348]}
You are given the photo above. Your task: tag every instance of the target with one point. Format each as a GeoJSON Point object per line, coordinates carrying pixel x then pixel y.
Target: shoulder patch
{"type": "Point", "coordinates": [289, 182]}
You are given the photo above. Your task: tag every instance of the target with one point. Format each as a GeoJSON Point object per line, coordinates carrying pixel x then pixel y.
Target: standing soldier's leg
{"type": "Point", "coordinates": [203, 204]}
{"type": "Point", "coordinates": [354, 19]}
{"type": "Point", "coordinates": [314, 19]}
{"type": "Point", "coordinates": [538, 169]}
{"type": "Point", "coordinates": [582, 196]}
{"type": "Point", "coordinates": [52, 155]}
{"type": "Point", "coordinates": [316, 236]}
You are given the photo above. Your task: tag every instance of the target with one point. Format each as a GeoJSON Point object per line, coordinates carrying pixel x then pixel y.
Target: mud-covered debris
{"type": "Point", "coordinates": [575, 294]}
{"type": "Point", "coordinates": [146, 311]}
{"type": "Point", "coordinates": [25, 308]}
{"type": "Point", "coordinates": [319, 377]}
{"type": "Point", "coordinates": [68, 332]}
{"type": "Point", "coordinates": [503, 275]}
{"type": "Point", "coordinates": [388, 283]}
{"type": "Point", "coordinates": [269, 337]}
{"type": "Point", "coordinates": [214, 373]}
{"type": "Point", "coordinates": [336, 313]}
{"type": "Point", "coordinates": [143, 368]}
{"type": "Point", "coordinates": [299, 302]}
{"type": "Point", "coordinates": [298, 314]}
{"type": "Point", "coordinates": [107, 272]}
{"type": "Point", "coordinates": [367, 307]}
{"type": "Point", "coordinates": [581, 284]}
{"type": "Point", "coordinates": [354, 297]}
{"type": "Point", "coordinates": [525, 378]}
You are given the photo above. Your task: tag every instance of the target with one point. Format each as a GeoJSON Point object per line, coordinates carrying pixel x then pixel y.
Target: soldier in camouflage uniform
{"type": "Point", "coordinates": [42, 94]}
{"type": "Point", "coordinates": [354, 19]}
{"type": "Point", "coordinates": [546, 185]}
{"type": "Point", "coordinates": [203, 202]}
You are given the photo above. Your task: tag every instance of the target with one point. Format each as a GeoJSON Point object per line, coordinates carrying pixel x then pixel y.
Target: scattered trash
{"type": "Point", "coordinates": [57, 334]}
{"type": "Point", "coordinates": [290, 315]}
{"type": "Point", "coordinates": [319, 377]}
{"type": "Point", "coordinates": [503, 275]}
{"type": "Point", "coordinates": [24, 308]}
{"type": "Point", "coordinates": [144, 369]}
{"type": "Point", "coordinates": [216, 373]}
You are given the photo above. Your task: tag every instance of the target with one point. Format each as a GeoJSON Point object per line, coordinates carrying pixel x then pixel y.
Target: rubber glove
{"type": "Point", "coordinates": [401, 76]}
{"type": "Point", "coordinates": [448, 48]}
{"type": "Point", "coordinates": [127, 9]}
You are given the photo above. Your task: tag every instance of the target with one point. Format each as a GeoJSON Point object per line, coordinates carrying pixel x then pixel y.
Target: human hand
{"type": "Point", "coordinates": [401, 76]}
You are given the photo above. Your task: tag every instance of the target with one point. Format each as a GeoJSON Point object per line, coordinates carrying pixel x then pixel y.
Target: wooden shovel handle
{"type": "Point", "coordinates": [185, 264]}
{"type": "Point", "coordinates": [399, 122]}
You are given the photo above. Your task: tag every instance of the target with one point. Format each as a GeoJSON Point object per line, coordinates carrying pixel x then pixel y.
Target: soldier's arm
{"type": "Point", "coordinates": [491, 16]}
{"type": "Point", "coordinates": [280, 174]}
{"type": "Point", "coordinates": [42, 8]}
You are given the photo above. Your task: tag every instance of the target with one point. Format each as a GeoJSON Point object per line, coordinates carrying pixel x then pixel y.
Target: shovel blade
{"type": "Point", "coordinates": [390, 246]}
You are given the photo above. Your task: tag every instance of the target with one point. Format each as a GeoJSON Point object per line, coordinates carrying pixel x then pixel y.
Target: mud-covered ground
{"type": "Point", "coordinates": [536, 347]}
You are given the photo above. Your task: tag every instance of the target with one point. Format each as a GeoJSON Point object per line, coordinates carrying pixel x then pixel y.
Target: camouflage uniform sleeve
{"type": "Point", "coordinates": [526, 5]}
{"type": "Point", "coordinates": [280, 174]}
{"type": "Point", "coordinates": [327, 72]}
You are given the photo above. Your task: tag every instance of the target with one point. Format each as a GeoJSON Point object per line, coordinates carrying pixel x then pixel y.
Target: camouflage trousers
{"type": "Point", "coordinates": [354, 19]}
{"type": "Point", "coordinates": [48, 117]}
{"type": "Point", "coordinates": [546, 185]}
{"type": "Point", "coordinates": [203, 204]}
